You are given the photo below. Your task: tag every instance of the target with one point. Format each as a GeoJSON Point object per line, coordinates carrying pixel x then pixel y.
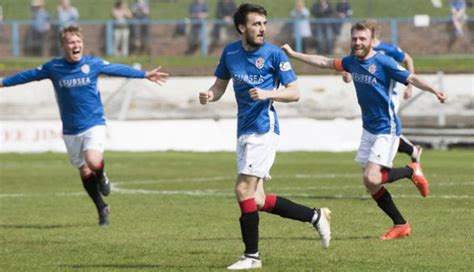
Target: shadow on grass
{"type": "Point", "coordinates": [329, 197]}
{"type": "Point", "coordinates": [36, 226]}
{"type": "Point", "coordinates": [135, 266]}
{"type": "Point", "coordinates": [350, 238]}
{"type": "Point", "coordinates": [286, 238]}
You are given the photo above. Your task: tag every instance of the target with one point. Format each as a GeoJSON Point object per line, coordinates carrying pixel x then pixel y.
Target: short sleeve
{"type": "Point", "coordinates": [398, 54]}
{"type": "Point", "coordinates": [285, 72]}
{"type": "Point", "coordinates": [221, 70]}
{"type": "Point", "coordinates": [396, 71]}
{"type": "Point", "coordinates": [345, 64]}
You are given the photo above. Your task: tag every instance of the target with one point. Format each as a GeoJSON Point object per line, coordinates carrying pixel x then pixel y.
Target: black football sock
{"type": "Point", "coordinates": [405, 147]}
{"type": "Point", "coordinates": [92, 189]}
{"type": "Point", "coordinates": [249, 228]}
{"type": "Point", "coordinates": [288, 209]}
{"type": "Point", "coordinates": [390, 175]}
{"type": "Point", "coordinates": [385, 202]}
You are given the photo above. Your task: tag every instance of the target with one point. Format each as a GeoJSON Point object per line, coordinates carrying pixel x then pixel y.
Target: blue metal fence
{"type": "Point", "coordinates": [16, 41]}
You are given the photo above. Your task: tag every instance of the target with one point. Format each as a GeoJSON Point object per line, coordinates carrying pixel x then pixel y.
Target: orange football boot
{"type": "Point", "coordinates": [419, 179]}
{"type": "Point", "coordinates": [397, 231]}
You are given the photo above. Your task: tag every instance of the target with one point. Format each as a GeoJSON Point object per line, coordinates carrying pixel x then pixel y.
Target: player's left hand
{"type": "Point", "coordinates": [257, 94]}
{"type": "Point", "coordinates": [408, 92]}
{"type": "Point", "coordinates": [442, 97]}
{"type": "Point", "coordinates": [156, 76]}
{"type": "Point", "coordinates": [288, 50]}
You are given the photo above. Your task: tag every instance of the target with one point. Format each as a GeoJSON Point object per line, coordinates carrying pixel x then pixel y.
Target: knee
{"type": "Point", "coordinates": [242, 191]}
{"type": "Point", "coordinates": [372, 180]}
{"type": "Point", "coordinates": [94, 162]}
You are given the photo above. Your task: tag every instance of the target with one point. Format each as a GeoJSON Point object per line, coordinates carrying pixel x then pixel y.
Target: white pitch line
{"type": "Point", "coordinates": [232, 178]}
{"type": "Point", "coordinates": [213, 192]}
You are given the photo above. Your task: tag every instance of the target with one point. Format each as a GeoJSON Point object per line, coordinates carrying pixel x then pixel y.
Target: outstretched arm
{"type": "Point", "coordinates": [409, 64]}
{"type": "Point", "coordinates": [156, 76]}
{"type": "Point", "coordinates": [291, 93]}
{"type": "Point", "coordinates": [423, 85]}
{"type": "Point", "coordinates": [315, 60]}
{"type": "Point", "coordinates": [214, 93]}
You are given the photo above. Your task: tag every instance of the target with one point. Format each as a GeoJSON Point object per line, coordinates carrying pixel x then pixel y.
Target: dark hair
{"type": "Point", "coordinates": [363, 25]}
{"type": "Point", "coordinates": [240, 16]}
{"type": "Point", "coordinates": [118, 3]}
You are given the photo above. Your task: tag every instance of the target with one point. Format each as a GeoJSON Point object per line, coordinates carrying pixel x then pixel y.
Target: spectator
{"type": "Point", "coordinates": [225, 13]}
{"type": "Point", "coordinates": [300, 16]}
{"type": "Point", "coordinates": [39, 28]}
{"type": "Point", "coordinates": [2, 32]}
{"type": "Point", "coordinates": [322, 9]}
{"type": "Point", "coordinates": [67, 14]}
{"type": "Point", "coordinates": [141, 13]}
{"type": "Point", "coordinates": [199, 11]}
{"type": "Point", "coordinates": [121, 13]}
{"type": "Point", "coordinates": [459, 17]}
{"type": "Point", "coordinates": [343, 11]}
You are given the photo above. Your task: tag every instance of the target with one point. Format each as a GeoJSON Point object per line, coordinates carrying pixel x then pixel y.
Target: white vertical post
{"type": "Point", "coordinates": [441, 113]}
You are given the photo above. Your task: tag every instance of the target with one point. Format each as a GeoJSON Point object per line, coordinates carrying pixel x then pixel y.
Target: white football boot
{"type": "Point", "coordinates": [246, 263]}
{"type": "Point", "coordinates": [321, 222]}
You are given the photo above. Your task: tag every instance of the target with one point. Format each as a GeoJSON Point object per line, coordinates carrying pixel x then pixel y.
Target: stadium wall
{"type": "Point", "coordinates": [169, 117]}
{"type": "Point", "coordinates": [183, 135]}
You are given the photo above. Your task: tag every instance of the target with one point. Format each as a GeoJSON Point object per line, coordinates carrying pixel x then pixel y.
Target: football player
{"type": "Point", "coordinates": [373, 74]}
{"type": "Point", "coordinates": [74, 78]}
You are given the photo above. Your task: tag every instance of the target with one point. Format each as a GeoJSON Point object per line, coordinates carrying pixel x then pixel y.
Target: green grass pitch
{"type": "Point", "coordinates": [175, 211]}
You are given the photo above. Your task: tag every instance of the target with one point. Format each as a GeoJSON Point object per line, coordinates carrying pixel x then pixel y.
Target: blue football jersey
{"type": "Point", "coordinates": [264, 68]}
{"type": "Point", "coordinates": [75, 86]}
{"type": "Point", "coordinates": [374, 79]}
{"type": "Point", "coordinates": [390, 50]}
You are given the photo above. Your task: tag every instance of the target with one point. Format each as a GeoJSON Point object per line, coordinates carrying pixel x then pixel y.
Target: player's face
{"type": "Point", "coordinates": [361, 43]}
{"type": "Point", "coordinates": [254, 29]}
{"type": "Point", "coordinates": [72, 47]}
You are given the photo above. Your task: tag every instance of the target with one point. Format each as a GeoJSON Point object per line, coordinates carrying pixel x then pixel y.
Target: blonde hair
{"type": "Point", "coordinates": [375, 26]}
{"type": "Point", "coordinates": [365, 24]}
{"type": "Point", "coordinates": [72, 29]}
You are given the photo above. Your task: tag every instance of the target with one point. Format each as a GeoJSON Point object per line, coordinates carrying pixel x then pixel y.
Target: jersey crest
{"type": "Point", "coordinates": [85, 69]}
{"type": "Point", "coordinates": [372, 68]}
{"type": "Point", "coordinates": [285, 66]}
{"type": "Point", "coordinates": [259, 63]}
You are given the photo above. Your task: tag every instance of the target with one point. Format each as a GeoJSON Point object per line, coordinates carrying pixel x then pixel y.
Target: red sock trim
{"type": "Point", "coordinates": [99, 167]}
{"type": "Point", "coordinates": [379, 194]}
{"type": "Point", "coordinates": [87, 178]}
{"type": "Point", "coordinates": [269, 204]}
{"type": "Point", "coordinates": [384, 173]}
{"type": "Point", "coordinates": [248, 206]}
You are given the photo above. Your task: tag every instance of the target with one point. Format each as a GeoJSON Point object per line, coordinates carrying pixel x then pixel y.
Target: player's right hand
{"type": "Point", "coordinates": [205, 97]}
{"type": "Point", "coordinates": [288, 50]}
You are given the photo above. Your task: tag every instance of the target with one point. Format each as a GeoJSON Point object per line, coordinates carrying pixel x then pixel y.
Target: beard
{"type": "Point", "coordinates": [360, 52]}
{"type": "Point", "coordinates": [252, 42]}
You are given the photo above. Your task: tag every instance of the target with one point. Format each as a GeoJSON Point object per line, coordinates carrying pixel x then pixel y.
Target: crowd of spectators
{"type": "Point", "coordinates": [318, 25]}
